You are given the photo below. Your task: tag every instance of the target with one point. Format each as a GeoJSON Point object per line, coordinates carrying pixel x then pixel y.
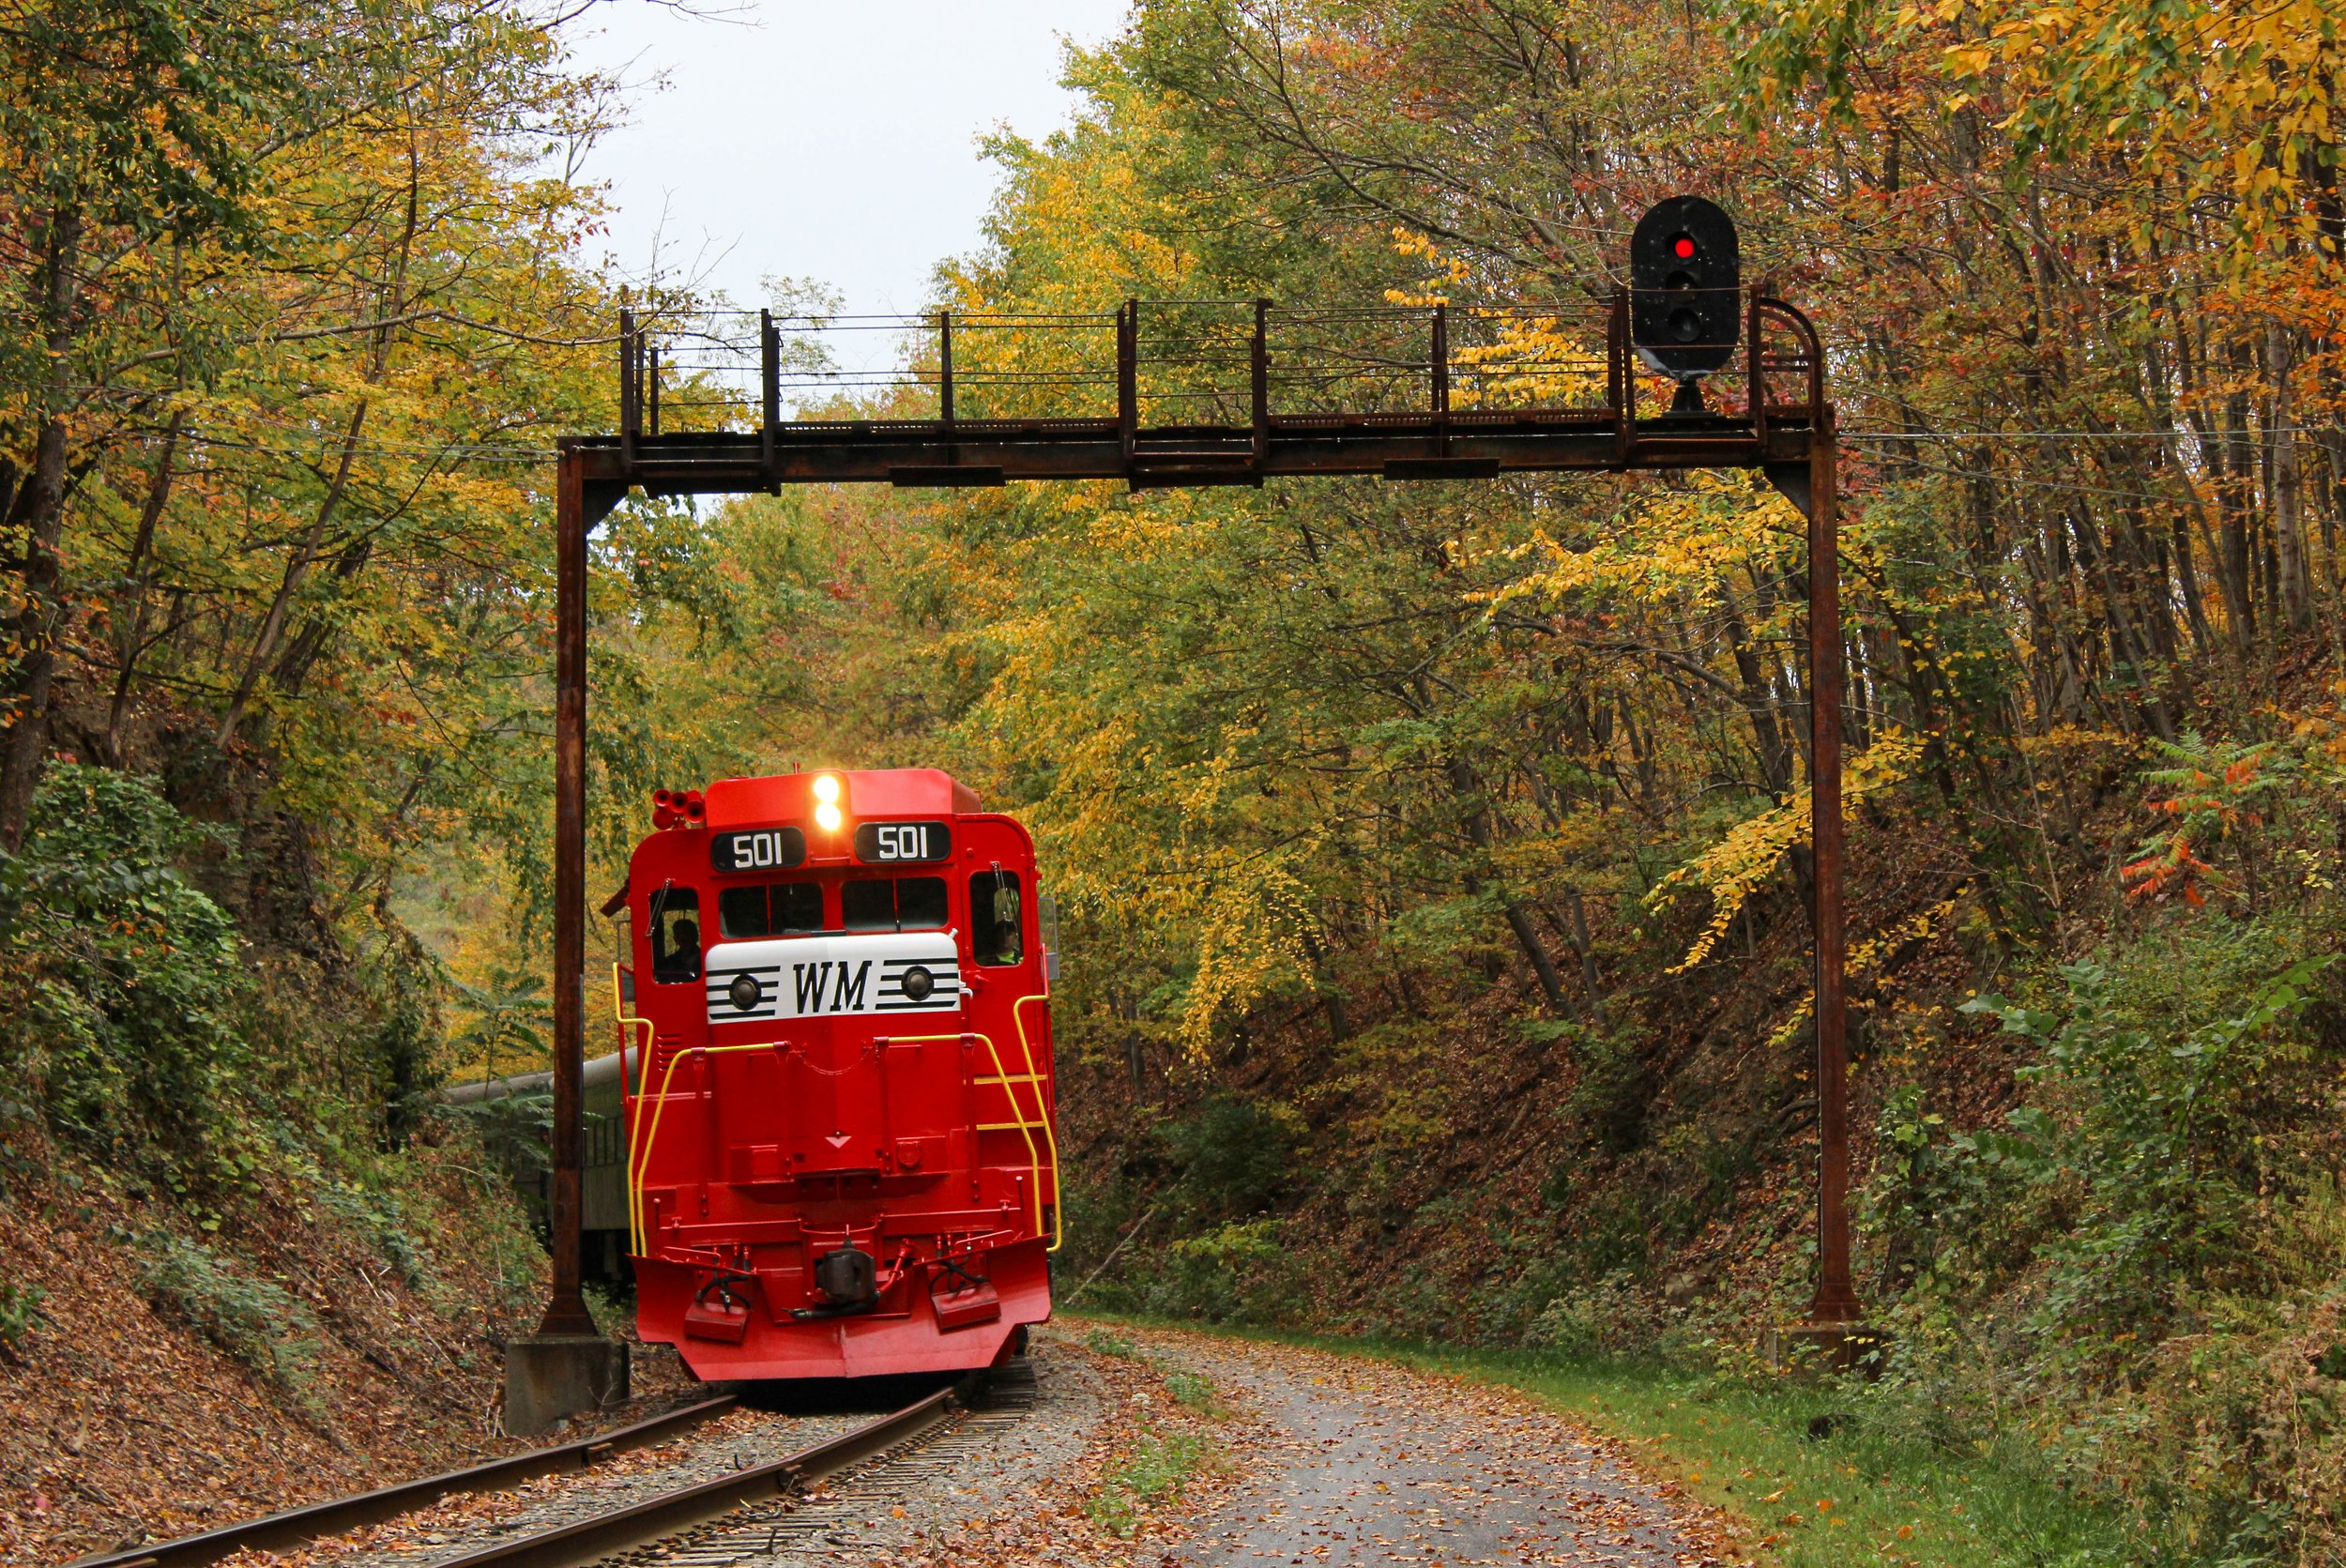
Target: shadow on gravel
{"type": "Point", "coordinates": [826, 1396]}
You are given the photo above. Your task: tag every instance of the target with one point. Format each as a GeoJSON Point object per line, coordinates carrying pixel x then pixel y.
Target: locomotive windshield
{"type": "Point", "coordinates": [777, 910]}
{"type": "Point", "coordinates": [893, 903]}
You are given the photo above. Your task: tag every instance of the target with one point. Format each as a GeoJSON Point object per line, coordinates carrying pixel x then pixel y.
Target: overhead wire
{"type": "Point", "coordinates": [715, 359]}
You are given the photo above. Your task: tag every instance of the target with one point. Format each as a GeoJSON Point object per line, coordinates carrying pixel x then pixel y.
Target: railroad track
{"type": "Point", "coordinates": [766, 1509]}
{"type": "Point", "coordinates": [297, 1527]}
{"type": "Point", "coordinates": [777, 1515]}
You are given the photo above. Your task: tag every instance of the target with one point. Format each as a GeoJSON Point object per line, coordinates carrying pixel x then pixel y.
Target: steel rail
{"type": "Point", "coordinates": [296, 1527]}
{"type": "Point", "coordinates": [645, 1523]}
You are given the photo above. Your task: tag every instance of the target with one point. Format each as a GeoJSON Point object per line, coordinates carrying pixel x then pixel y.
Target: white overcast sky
{"type": "Point", "coordinates": [830, 141]}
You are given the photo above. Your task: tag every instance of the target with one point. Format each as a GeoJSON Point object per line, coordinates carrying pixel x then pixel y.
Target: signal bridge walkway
{"type": "Point", "coordinates": [1178, 394]}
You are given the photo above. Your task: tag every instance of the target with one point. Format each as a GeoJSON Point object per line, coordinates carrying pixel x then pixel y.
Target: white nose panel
{"type": "Point", "coordinates": [823, 977]}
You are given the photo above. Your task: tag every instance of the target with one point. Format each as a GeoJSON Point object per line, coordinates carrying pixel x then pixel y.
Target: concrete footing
{"type": "Point", "coordinates": [1826, 1347]}
{"type": "Point", "coordinates": [549, 1378]}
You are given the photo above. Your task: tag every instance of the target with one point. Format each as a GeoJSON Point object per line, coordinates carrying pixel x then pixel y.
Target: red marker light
{"type": "Point", "coordinates": [1685, 247]}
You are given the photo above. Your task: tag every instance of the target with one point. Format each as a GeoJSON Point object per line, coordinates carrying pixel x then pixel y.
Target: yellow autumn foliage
{"type": "Point", "coordinates": [1748, 855]}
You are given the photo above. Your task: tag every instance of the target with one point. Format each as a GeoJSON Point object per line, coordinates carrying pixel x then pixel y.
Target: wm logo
{"type": "Point", "coordinates": [844, 982]}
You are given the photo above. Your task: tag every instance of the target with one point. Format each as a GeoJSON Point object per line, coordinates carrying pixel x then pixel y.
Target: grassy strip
{"type": "Point", "coordinates": [1816, 1488]}
{"type": "Point", "coordinates": [1160, 1464]}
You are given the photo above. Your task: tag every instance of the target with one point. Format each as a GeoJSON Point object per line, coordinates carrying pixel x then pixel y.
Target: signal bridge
{"type": "Point", "coordinates": [1167, 393]}
{"type": "Point", "coordinates": [1184, 392]}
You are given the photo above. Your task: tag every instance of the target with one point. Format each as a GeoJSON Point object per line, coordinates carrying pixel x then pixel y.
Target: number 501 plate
{"type": "Point", "coordinates": [895, 842]}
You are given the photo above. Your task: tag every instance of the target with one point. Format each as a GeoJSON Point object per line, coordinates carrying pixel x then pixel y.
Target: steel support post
{"type": "Point", "coordinates": [566, 1367]}
{"type": "Point", "coordinates": [566, 1310]}
{"type": "Point", "coordinates": [1835, 1301]}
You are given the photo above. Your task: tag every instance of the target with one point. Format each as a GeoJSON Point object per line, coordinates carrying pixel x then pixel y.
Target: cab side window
{"type": "Point", "coordinates": [997, 918]}
{"type": "Point", "coordinates": [676, 935]}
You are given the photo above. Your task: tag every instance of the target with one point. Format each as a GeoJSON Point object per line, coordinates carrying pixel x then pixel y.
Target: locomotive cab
{"type": "Point", "coordinates": [839, 1114]}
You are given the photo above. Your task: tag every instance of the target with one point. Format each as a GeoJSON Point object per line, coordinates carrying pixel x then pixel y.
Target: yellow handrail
{"type": "Point", "coordinates": [642, 1066]}
{"type": "Point", "coordinates": [1042, 1110]}
{"type": "Point", "coordinates": [619, 1015]}
{"type": "Point", "coordinates": [635, 1162]}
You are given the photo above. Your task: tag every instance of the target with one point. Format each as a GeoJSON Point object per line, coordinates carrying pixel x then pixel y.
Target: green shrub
{"type": "Point", "coordinates": [1610, 1317]}
{"type": "Point", "coordinates": [515, 1131]}
{"type": "Point", "coordinates": [2141, 1154]}
{"type": "Point", "coordinates": [377, 1219]}
{"type": "Point", "coordinates": [1156, 1466]}
{"type": "Point", "coordinates": [2129, 1279]}
{"type": "Point", "coordinates": [1234, 1157]}
{"type": "Point", "coordinates": [1191, 1389]}
{"type": "Point", "coordinates": [1240, 1271]}
{"type": "Point", "coordinates": [1614, 1094]}
{"type": "Point", "coordinates": [1108, 1343]}
{"type": "Point", "coordinates": [129, 975]}
{"type": "Point", "coordinates": [20, 1309]}
{"type": "Point", "coordinates": [267, 1329]}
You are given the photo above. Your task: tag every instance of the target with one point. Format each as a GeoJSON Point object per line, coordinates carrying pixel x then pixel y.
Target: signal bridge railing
{"type": "Point", "coordinates": [1189, 392]}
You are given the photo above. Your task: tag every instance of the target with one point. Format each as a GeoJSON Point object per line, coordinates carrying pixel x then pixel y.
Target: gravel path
{"type": "Point", "coordinates": [1308, 1459]}
{"type": "Point", "coordinates": [1359, 1462]}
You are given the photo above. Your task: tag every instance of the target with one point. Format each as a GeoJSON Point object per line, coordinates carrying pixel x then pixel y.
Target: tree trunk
{"type": "Point", "coordinates": [264, 644]}
{"type": "Point", "coordinates": [130, 603]}
{"type": "Point", "coordinates": [2289, 534]}
{"type": "Point", "coordinates": [41, 510]}
{"type": "Point", "coordinates": [1478, 824]}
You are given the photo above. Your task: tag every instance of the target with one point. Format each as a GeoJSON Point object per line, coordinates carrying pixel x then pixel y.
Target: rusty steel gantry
{"type": "Point", "coordinates": [1199, 392]}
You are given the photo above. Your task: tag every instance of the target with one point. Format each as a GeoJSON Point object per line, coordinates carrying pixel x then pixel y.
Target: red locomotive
{"type": "Point", "coordinates": [841, 1149]}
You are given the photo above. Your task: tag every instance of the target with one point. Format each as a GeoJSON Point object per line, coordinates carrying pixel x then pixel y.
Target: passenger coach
{"type": "Point", "coordinates": [841, 1152]}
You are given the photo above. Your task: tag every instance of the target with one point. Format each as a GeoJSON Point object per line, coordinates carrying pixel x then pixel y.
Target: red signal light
{"type": "Point", "coordinates": [1684, 246]}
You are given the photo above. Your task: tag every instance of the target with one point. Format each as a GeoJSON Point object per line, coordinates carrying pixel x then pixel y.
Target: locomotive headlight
{"type": "Point", "coordinates": [918, 983]}
{"type": "Point", "coordinates": [827, 787]}
{"type": "Point", "coordinates": [827, 816]}
{"type": "Point", "coordinates": [743, 992]}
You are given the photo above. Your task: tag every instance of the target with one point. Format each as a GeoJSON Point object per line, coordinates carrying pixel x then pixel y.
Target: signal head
{"type": "Point", "coordinates": [1686, 288]}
